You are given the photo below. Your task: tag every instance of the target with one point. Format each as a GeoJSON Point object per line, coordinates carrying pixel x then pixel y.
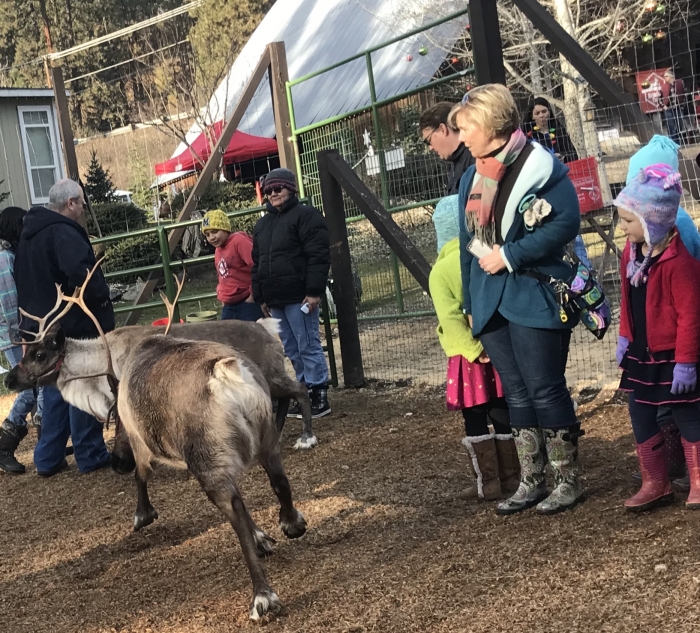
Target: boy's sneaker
{"type": "Point", "coordinates": [319, 402]}
{"type": "Point", "coordinates": [294, 410]}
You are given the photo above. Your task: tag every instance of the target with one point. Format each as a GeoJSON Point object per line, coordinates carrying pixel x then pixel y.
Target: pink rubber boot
{"type": "Point", "coordinates": [656, 488]}
{"type": "Point", "coordinates": [692, 459]}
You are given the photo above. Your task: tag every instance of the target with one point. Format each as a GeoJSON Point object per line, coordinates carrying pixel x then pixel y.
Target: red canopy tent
{"type": "Point", "coordinates": [241, 148]}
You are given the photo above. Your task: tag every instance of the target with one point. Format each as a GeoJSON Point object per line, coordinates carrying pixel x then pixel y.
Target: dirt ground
{"type": "Point", "coordinates": [389, 547]}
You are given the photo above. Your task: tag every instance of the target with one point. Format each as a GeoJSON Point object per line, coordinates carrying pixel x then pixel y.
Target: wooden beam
{"type": "Point", "coordinates": [382, 221]}
{"type": "Point", "coordinates": [486, 42]}
{"type": "Point", "coordinates": [343, 285]}
{"type": "Point", "coordinates": [206, 175]}
{"type": "Point", "coordinates": [70, 159]}
{"type": "Point", "coordinates": [279, 75]}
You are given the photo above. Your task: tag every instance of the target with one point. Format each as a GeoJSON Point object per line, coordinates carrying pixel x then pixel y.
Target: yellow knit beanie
{"type": "Point", "coordinates": [216, 220]}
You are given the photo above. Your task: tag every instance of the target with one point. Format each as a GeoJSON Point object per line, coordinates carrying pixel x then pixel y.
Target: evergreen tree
{"type": "Point", "coordinates": [97, 182]}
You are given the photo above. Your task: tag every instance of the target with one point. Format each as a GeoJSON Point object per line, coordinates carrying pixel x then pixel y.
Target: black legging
{"type": "Point", "coordinates": [476, 419]}
{"type": "Point", "coordinates": [645, 422]}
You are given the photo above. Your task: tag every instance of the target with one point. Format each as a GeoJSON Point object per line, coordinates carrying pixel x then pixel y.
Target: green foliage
{"type": "Point", "coordinates": [117, 217]}
{"type": "Point", "coordinates": [98, 184]}
{"type": "Point", "coordinates": [132, 252]}
{"type": "Point", "coordinates": [227, 196]}
{"type": "Point", "coordinates": [140, 184]}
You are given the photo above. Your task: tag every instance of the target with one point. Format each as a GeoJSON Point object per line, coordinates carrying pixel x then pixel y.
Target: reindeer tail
{"type": "Point", "coordinates": [271, 325]}
{"type": "Point", "coordinates": [233, 385]}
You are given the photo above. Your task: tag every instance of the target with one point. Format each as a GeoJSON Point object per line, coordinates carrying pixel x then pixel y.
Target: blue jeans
{"type": "Point", "coordinates": [26, 400]}
{"type": "Point", "coordinates": [61, 421]}
{"type": "Point", "coordinates": [531, 363]}
{"type": "Point", "coordinates": [302, 344]}
{"type": "Point", "coordinates": [242, 311]}
{"type": "Point", "coordinates": [673, 117]}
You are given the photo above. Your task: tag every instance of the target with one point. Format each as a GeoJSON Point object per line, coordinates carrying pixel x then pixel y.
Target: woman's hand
{"type": "Point", "coordinates": [493, 262]}
{"type": "Point", "coordinates": [483, 358]}
{"type": "Point", "coordinates": [313, 302]}
{"type": "Point", "coordinates": [265, 310]}
{"type": "Point", "coordinates": [249, 299]}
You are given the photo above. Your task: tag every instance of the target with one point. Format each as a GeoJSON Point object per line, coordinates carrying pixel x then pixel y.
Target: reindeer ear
{"type": "Point", "coordinates": [55, 338]}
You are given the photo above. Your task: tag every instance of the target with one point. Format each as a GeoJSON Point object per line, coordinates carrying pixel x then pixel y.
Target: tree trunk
{"type": "Point", "coordinates": [533, 58]}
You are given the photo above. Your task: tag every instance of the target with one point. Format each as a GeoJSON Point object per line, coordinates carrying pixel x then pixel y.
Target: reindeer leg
{"type": "Point", "coordinates": [228, 499]}
{"type": "Point", "coordinates": [123, 460]}
{"type": "Point", "coordinates": [145, 513]}
{"type": "Point", "coordinates": [307, 439]}
{"type": "Point", "coordinates": [263, 541]}
{"type": "Point", "coordinates": [292, 521]}
{"type": "Point", "coordinates": [281, 417]}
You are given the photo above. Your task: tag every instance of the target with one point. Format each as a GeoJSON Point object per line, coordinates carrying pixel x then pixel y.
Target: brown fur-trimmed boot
{"type": "Point", "coordinates": [508, 463]}
{"type": "Point", "coordinates": [484, 460]}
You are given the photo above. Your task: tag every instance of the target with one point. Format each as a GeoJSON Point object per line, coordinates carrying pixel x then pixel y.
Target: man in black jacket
{"type": "Point", "coordinates": [443, 139]}
{"type": "Point", "coordinates": [55, 249]}
{"type": "Point", "coordinates": [291, 259]}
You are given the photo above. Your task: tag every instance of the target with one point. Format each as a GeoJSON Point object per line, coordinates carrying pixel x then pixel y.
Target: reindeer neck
{"type": "Point", "coordinates": [83, 357]}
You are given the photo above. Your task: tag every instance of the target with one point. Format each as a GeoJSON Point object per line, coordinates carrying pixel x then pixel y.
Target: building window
{"type": "Point", "coordinates": [40, 150]}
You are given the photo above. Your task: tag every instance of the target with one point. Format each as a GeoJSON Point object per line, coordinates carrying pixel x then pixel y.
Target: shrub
{"type": "Point", "coordinates": [131, 252]}
{"type": "Point", "coordinates": [117, 217]}
{"type": "Point", "coordinates": [227, 196]}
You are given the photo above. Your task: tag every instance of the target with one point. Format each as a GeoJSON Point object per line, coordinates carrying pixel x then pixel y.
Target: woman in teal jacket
{"type": "Point", "coordinates": [519, 211]}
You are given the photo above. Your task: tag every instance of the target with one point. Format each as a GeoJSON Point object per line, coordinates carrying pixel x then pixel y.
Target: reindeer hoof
{"type": "Point", "coordinates": [306, 442]}
{"type": "Point", "coordinates": [264, 544]}
{"type": "Point", "coordinates": [266, 602]}
{"type": "Point", "coordinates": [295, 528]}
{"type": "Point", "coordinates": [142, 519]}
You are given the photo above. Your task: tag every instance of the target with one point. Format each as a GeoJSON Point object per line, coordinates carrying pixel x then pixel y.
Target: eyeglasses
{"type": "Point", "coordinates": [465, 99]}
{"type": "Point", "coordinates": [428, 138]}
{"type": "Point", "coordinates": [273, 190]}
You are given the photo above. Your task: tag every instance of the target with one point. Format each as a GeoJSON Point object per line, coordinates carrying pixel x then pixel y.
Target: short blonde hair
{"type": "Point", "coordinates": [490, 107]}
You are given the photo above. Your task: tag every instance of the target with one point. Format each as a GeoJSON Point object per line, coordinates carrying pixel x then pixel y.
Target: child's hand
{"type": "Point", "coordinates": [483, 358]}
{"type": "Point", "coordinates": [685, 378]}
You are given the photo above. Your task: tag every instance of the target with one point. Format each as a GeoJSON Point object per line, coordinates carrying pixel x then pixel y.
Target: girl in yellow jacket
{"type": "Point", "coordinates": [473, 386]}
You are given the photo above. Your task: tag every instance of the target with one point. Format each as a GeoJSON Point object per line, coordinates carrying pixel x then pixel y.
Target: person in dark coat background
{"type": "Point", "coordinates": [541, 126]}
{"type": "Point", "coordinates": [291, 260]}
{"type": "Point", "coordinates": [439, 136]}
{"type": "Point", "coordinates": [55, 249]}
{"type": "Point", "coordinates": [674, 101]}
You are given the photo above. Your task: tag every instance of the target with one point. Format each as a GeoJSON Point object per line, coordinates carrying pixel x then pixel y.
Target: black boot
{"type": "Point", "coordinates": [9, 441]}
{"type": "Point", "coordinates": [319, 402]}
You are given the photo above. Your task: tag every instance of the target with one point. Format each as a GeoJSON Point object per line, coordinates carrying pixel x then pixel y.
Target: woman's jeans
{"type": "Point", "coordinates": [302, 344]}
{"type": "Point", "coordinates": [242, 311]}
{"type": "Point", "coordinates": [531, 363]}
{"type": "Point", "coordinates": [26, 400]}
{"type": "Point", "coordinates": [61, 421]}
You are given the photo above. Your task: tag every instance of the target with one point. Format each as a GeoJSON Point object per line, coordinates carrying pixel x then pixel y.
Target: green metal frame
{"type": "Point", "coordinates": [373, 106]}
{"type": "Point", "coordinates": [167, 266]}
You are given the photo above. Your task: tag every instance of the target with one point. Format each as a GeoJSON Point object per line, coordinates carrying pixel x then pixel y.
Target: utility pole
{"type": "Point", "coordinates": [49, 43]}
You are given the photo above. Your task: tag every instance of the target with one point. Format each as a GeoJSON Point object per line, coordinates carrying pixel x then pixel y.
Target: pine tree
{"type": "Point", "coordinates": [97, 182]}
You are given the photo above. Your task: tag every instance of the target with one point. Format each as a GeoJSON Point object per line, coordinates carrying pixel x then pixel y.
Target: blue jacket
{"type": "Point", "coordinates": [520, 298]}
{"type": "Point", "coordinates": [55, 250]}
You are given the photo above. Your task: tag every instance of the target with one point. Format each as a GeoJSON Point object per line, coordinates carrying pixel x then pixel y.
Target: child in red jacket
{"type": "Point", "coordinates": [659, 343]}
{"type": "Point", "coordinates": [233, 259]}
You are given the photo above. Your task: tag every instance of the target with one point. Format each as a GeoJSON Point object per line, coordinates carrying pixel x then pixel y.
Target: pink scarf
{"type": "Point", "coordinates": [489, 173]}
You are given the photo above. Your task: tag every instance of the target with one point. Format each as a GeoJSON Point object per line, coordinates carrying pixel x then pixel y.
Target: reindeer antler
{"type": "Point", "coordinates": [42, 321]}
{"type": "Point", "coordinates": [171, 306]}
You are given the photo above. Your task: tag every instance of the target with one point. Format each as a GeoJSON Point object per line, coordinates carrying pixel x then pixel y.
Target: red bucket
{"type": "Point", "coordinates": [584, 174]}
{"type": "Point", "coordinates": [162, 322]}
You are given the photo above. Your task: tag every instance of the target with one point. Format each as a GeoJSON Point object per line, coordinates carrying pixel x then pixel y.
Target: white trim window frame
{"type": "Point", "coordinates": [36, 130]}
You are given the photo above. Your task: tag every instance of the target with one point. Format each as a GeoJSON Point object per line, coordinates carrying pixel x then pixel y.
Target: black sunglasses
{"type": "Point", "coordinates": [273, 190]}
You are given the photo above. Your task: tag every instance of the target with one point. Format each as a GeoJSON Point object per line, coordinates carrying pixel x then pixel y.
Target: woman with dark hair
{"type": "Point", "coordinates": [541, 126]}
{"type": "Point", "coordinates": [14, 428]}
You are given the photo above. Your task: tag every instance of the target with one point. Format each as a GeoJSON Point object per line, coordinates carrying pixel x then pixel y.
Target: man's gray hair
{"type": "Point", "coordinates": [63, 191]}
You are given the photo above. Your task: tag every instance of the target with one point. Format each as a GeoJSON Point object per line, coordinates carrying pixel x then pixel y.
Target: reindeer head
{"type": "Point", "coordinates": [41, 363]}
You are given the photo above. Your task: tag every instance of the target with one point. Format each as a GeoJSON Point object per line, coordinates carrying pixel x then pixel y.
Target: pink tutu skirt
{"type": "Point", "coordinates": [470, 384]}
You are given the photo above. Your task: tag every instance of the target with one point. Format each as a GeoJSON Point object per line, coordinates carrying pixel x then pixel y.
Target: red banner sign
{"type": "Point", "coordinates": [649, 88]}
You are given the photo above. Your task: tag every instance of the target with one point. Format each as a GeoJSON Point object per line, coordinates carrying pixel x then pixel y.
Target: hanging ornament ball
{"type": "Point", "coordinates": [620, 26]}
{"type": "Point", "coordinates": [645, 85]}
{"type": "Point", "coordinates": [455, 60]}
{"type": "Point", "coordinates": [423, 51]}
{"type": "Point", "coordinates": [409, 58]}
{"type": "Point", "coordinates": [647, 38]}
{"type": "Point", "coordinates": [660, 35]}
{"type": "Point", "coordinates": [650, 5]}
{"type": "Point", "coordinates": [661, 8]}
{"type": "Point", "coordinates": [469, 87]}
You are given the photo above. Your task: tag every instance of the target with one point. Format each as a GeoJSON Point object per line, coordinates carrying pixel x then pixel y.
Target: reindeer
{"type": "Point", "coordinates": [197, 405]}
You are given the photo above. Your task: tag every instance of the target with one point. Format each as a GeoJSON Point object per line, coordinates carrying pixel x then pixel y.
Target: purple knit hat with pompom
{"type": "Point", "coordinates": [653, 196]}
